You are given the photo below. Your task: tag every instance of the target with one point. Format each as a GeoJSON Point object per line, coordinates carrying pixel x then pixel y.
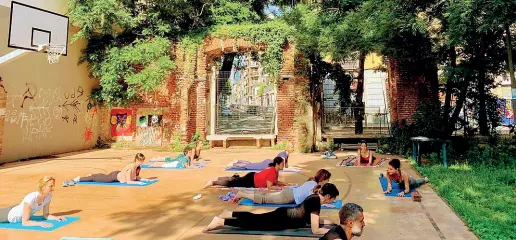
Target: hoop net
{"type": "Point", "coordinates": [54, 52]}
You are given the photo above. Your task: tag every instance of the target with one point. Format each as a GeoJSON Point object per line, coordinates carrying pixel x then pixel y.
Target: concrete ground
{"type": "Point", "coordinates": [166, 210]}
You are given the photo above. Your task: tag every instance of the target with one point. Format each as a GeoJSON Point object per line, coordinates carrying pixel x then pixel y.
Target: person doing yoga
{"type": "Point", "coordinates": [263, 164]}
{"type": "Point", "coordinates": [282, 218]}
{"type": "Point", "coordinates": [127, 175]}
{"type": "Point", "coordinates": [394, 173]}
{"type": "Point", "coordinates": [182, 160]}
{"type": "Point", "coordinates": [351, 225]}
{"type": "Point", "coordinates": [266, 178]}
{"type": "Point", "coordinates": [197, 152]}
{"type": "Point", "coordinates": [365, 156]}
{"type": "Point", "coordinates": [32, 203]}
{"type": "Point", "coordinates": [289, 195]}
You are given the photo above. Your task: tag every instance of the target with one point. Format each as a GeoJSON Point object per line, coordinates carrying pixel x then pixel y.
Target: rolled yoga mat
{"type": "Point", "coordinates": [249, 202]}
{"type": "Point", "coordinates": [118, 184]}
{"type": "Point", "coordinates": [300, 232]}
{"type": "Point", "coordinates": [56, 224]}
{"type": "Point", "coordinates": [395, 188]}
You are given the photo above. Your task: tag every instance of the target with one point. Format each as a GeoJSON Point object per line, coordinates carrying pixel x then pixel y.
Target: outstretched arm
{"type": "Point", "coordinates": [47, 215]}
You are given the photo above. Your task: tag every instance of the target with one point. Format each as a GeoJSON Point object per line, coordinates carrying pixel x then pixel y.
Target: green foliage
{"type": "Point", "coordinates": [481, 195]}
{"type": "Point", "coordinates": [234, 12]}
{"type": "Point", "coordinates": [104, 17]}
{"type": "Point", "coordinates": [126, 71]}
{"type": "Point", "coordinates": [176, 145]}
{"type": "Point", "coordinates": [280, 146]}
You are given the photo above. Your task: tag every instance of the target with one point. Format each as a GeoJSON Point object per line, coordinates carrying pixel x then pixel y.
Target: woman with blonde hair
{"type": "Point", "coordinates": [32, 203]}
{"type": "Point", "coordinates": [129, 174]}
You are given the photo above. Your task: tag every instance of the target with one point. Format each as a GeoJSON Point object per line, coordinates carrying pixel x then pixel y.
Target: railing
{"type": "Point", "coordinates": [242, 111]}
{"type": "Point", "coordinates": [346, 117]}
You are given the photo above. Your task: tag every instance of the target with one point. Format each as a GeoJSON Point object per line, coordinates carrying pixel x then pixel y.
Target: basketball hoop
{"type": "Point", "coordinates": [54, 52]}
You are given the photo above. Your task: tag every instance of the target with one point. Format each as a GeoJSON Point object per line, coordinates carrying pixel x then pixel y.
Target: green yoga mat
{"type": "Point", "coordinates": [300, 232]}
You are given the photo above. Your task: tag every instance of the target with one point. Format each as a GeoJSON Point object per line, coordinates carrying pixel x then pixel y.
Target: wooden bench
{"type": "Point", "coordinates": [355, 146]}
{"type": "Point", "coordinates": [226, 138]}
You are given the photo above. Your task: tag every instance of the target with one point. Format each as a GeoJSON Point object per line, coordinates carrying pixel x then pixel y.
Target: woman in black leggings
{"type": "Point", "coordinates": [282, 218]}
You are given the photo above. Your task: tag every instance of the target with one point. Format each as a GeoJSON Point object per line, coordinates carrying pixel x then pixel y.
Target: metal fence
{"type": "Point", "coordinates": [347, 116]}
{"type": "Point", "coordinates": [244, 104]}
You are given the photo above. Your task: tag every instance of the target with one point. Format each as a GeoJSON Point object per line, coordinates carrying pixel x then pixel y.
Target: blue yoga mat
{"type": "Point", "coordinates": [56, 224]}
{"type": "Point", "coordinates": [170, 168]}
{"type": "Point", "coordinates": [249, 202]}
{"type": "Point", "coordinates": [118, 184]}
{"type": "Point", "coordinates": [234, 169]}
{"type": "Point", "coordinates": [395, 188]}
{"type": "Point", "coordinates": [78, 238]}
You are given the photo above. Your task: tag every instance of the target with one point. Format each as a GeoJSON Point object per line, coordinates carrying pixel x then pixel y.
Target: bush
{"type": "Point", "coordinates": [280, 146]}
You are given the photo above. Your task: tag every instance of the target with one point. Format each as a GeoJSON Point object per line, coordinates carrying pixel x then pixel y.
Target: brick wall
{"type": "Point", "coordinates": [408, 89]}
{"type": "Point", "coordinates": [186, 93]}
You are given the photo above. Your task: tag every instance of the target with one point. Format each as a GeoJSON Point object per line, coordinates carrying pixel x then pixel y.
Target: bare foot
{"type": "Point", "coordinates": [226, 214]}
{"type": "Point", "coordinates": [427, 180]}
{"type": "Point", "coordinates": [77, 179]}
{"type": "Point", "coordinates": [216, 223]}
{"type": "Point", "coordinates": [208, 184]}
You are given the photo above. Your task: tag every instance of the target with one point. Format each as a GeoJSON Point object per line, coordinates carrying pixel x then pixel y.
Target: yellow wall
{"type": "Point", "coordinates": [373, 61]}
{"type": "Point", "coordinates": [57, 119]}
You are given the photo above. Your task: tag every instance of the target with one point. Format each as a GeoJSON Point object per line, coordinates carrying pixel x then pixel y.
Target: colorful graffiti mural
{"type": "Point", "coordinates": [121, 122]}
{"type": "Point", "coordinates": [506, 109]}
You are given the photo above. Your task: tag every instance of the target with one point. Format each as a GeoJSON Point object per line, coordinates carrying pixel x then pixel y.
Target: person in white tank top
{"type": "Point", "coordinates": [31, 204]}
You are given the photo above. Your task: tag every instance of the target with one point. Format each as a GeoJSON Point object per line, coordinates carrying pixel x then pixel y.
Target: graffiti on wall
{"type": "Point", "coordinates": [149, 130]}
{"type": "Point", "coordinates": [37, 111]}
{"type": "Point", "coordinates": [121, 122]}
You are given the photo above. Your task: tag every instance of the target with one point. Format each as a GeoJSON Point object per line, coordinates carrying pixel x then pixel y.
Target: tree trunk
{"type": "Point", "coordinates": [449, 86]}
{"type": "Point", "coordinates": [359, 116]}
{"type": "Point", "coordinates": [482, 112]}
{"type": "Point", "coordinates": [459, 104]}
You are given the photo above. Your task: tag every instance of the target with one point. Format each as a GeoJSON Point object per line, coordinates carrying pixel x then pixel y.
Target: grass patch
{"type": "Point", "coordinates": [484, 196]}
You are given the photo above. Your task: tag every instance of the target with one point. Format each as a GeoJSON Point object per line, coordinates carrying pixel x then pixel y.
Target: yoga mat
{"type": "Point", "coordinates": [170, 168]}
{"type": "Point", "coordinates": [118, 184]}
{"type": "Point", "coordinates": [56, 224]}
{"type": "Point", "coordinates": [301, 232]}
{"type": "Point", "coordinates": [79, 238]}
{"type": "Point", "coordinates": [395, 188]}
{"type": "Point", "coordinates": [249, 202]}
{"type": "Point", "coordinates": [233, 169]}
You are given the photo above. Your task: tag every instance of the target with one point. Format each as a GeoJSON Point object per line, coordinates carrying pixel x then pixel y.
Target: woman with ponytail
{"type": "Point", "coordinates": [289, 195]}
{"type": "Point", "coordinates": [394, 173]}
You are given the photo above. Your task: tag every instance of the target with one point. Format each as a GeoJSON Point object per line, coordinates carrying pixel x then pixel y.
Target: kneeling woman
{"type": "Point", "coordinates": [129, 174]}
{"type": "Point", "coordinates": [406, 183]}
{"type": "Point", "coordinates": [289, 195]}
{"type": "Point", "coordinates": [282, 218]}
{"type": "Point", "coordinates": [266, 178]}
{"type": "Point", "coordinates": [32, 203]}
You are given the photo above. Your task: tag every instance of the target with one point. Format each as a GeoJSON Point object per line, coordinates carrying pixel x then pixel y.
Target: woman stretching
{"type": "Point", "coordinates": [266, 178]}
{"type": "Point", "coordinates": [289, 195]}
{"type": "Point", "coordinates": [241, 164]}
{"type": "Point", "coordinates": [182, 160]}
{"type": "Point", "coordinates": [127, 175]}
{"type": "Point", "coordinates": [406, 183]}
{"type": "Point", "coordinates": [282, 218]}
{"type": "Point", "coordinates": [32, 203]}
{"type": "Point", "coordinates": [365, 156]}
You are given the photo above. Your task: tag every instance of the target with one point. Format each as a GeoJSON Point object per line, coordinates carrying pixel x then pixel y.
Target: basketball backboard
{"type": "Point", "coordinates": [32, 27]}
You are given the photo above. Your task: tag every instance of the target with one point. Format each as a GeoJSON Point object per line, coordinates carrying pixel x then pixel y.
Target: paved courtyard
{"type": "Point", "coordinates": [166, 210]}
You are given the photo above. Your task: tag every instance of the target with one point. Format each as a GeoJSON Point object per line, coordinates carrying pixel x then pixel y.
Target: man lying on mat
{"type": "Point", "coordinates": [32, 203]}
{"type": "Point", "coordinates": [266, 178]}
{"type": "Point", "coordinates": [289, 195]}
{"type": "Point", "coordinates": [129, 174]}
{"type": "Point", "coordinates": [406, 183]}
{"type": "Point", "coordinates": [351, 223]}
{"type": "Point", "coordinates": [282, 218]}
